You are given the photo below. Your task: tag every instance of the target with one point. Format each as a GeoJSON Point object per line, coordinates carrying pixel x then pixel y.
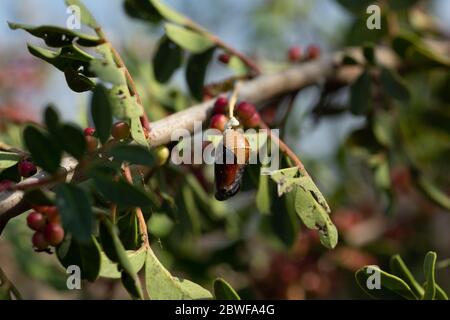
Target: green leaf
{"type": "Point", "coordinates": [45, 152]}
{"type": "Point", "coordinates": [161, 285]}
{"type": "Point", "coordinates": [77, 81]}
{"type": "Point", "coordinates": [390, 286]}
{"type": "Point", "coordinates": [84, 255]}
{"type": "Point", "coordinates": [196, 72]}
{"type": "Point", "coordinates": [429, 272]}
{"type": "Point", "coordinates": [72, 140]}
{"type": "Point", "coordinates": [223, 290]}
{"type": "Point", "coordinates": [433, 192]}
{"type": "Point", "coordinates": [86, 17]}
{"type": "Point", "coordinates": [110, 269]}
{"type": "Point", "coordinates": [57, 36]}
{"type": "Point", "coordinates": [283, 219]}
{"type": "Point", "coordinates": [369, 53]}
{"type": "Point", "coordinates": [66, 57]}
{"type": "Point", "coordinates": [355, 6]}
{"type": "Point", "coordinates": [51, 119]}
{"type": "Point", "coordinates": [129, 276]}
{"type": "Point", "coordinates": [238, 66]}
{"type": "Point", "coordinates": [121, 192]}
{"type": "Point", "coordinates": [69, 137]}
{"type": "Point", "coordinates": [187, 39]}
{"type": "Point", "coordinates": [106, 68]}
{"type": "Point", "coordinates": [128, 225]}
{"type": "Point", "coordinates": [169, 13]}
{"type": "Point", "coordinates": [399, 268]}
{"type": "Point", "coordinates": [416, 52]}
{"type": "Point", "coordinates": [440, 293]}
{"type": "Point", "coordinates": [167, 59]}
{"type": "Point", "coordinates": [263, 195]}
{"type": "Point", "coordinates": [137, 132]}
{"type": "Point", "coordinates": [360, 94]}
{"type": "Point", "coordinates": [75, 209]}
{"type": "Point", "coordinates": [314, 216]}
{"type": "Point", "coordinates": [40, 197]}
{"type": "Point", "coordinates": [283, 179]}
{"type": "Point", "coordinates": [8, 159]}
{"type": "Point", "coordinates": [393, 85]}
{"type": "Point", "coordinates": [133, 154]}
{"type": "Point", "coordinates": [101, 112]}
{"type": "Point", "coordinates": [142, 9]}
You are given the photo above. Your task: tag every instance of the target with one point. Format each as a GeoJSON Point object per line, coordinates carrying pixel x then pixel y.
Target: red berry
{"type": "Point", "coordinates": [91, 144]}
{"type": "Point", "coordinates": [245, 110]}
{"type": "Point", "coordinates": [54, 234]}
{"type": "Point", "coordinates": [5, 185]}
{"type": "Point", "coordinates": [120, 130]}
{"type": "Point", "coordinates": [36, 221]}
{"type": "Point", "coordinates": [253, 121]}
{"type": "Point", "coordinates": [224, 58]}
{"type": "Point", "coordinates": [53, 215]}
{"type": "Point", "coordinates": [27, 168]}
{"type": "Point", "coordinates": [39, 241]}
{"type": "Point", "coordinates": [313, 52]}
{"type": "Point", "coordinates": [294, 54]}
{"type": "Point", "coordinates": [89, 131]}
{"type": "Point", "coordinates": [218, 121]}
{"type": "Point", "coordinates": [221, 105]}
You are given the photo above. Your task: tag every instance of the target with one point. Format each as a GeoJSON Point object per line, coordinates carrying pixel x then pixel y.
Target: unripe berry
{"type": "Point", "coordinates": [224, 58]}
{"type": "Point", "coordinates": [221, 105]}
{"type": "Point", "coordinates": [27, 168]}
{"type": "Point", "coordinates": [91, 144]}
{"type": "Point", "coordinates": [162, 154]}
{"type": "Point", "coordinates": [295, 54]}
{"type": "Point", "coordinates": [36, 221]}
{"type": "Point", "coordinates": [5, 185]}
{"type": "Point", "coordinates": [120, 130]}
{"type": "Point", "coordinates": [218, 121]}
{"type": "Point", "coordinates": [39, 241]}
{"type": "Point", "coordinates": [54, 234]}
{"type": "Point", "coordinates": [313, 52]}
{"type": "Point", "coordinates": [245, 110]}
{"type": "Point", "coordinates": [89, 131]}
{"type": "Point", "coordinates": [253, 121]}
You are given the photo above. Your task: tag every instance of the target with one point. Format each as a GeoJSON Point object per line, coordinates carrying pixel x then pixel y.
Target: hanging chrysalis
{"type": "Point", "coordinates": [231, 158]}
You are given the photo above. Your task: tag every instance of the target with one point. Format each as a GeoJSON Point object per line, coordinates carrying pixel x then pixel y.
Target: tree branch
{"type": "Point", "coordinates": [257, 90]}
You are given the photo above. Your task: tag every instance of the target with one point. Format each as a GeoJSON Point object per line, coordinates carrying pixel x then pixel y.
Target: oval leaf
{"type": "Point", "coordinates": [101, 113]}
{"type": "Point", "coordinates": [75, 210]}
{"type": "Point", "coordinates": [45, 152]}
{"type": "Point", "coordinates": [223, 291]}
{"type": "Point", "coordinates": [167, 59]}
{"type": "Point", "coordinates": [196, 72]}
{"type": "Point", "coordinates": [187, 39]}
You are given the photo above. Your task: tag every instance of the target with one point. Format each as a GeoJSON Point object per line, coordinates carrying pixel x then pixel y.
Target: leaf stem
{"type": "Point", "coordinates": [138, 211]}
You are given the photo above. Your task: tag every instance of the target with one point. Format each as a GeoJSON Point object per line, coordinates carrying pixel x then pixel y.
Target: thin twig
{"type": "Point", "coordinates": [220, 43]}
{"type": "Point", "coordinates": [285, 149]}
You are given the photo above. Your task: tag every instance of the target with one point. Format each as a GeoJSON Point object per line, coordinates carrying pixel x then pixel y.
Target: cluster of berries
{"type": "Point", "coordinates": [119, 131]}
{"type": "Point", "coordinates": [26, 169]}
{"type": "Point", "coordinates": [46, 223]}
{"type": "Point", "coordinates": [245, 112]}
{"type": "Point", "coordinates": [295, 54]}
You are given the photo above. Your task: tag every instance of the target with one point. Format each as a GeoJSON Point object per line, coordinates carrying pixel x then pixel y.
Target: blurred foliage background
{"type": "Point", "coordinates": [380, 171]}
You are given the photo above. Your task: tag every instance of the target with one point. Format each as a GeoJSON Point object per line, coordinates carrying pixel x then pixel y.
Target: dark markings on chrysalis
{"type": "Point", "coordinates": [231, 160]}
